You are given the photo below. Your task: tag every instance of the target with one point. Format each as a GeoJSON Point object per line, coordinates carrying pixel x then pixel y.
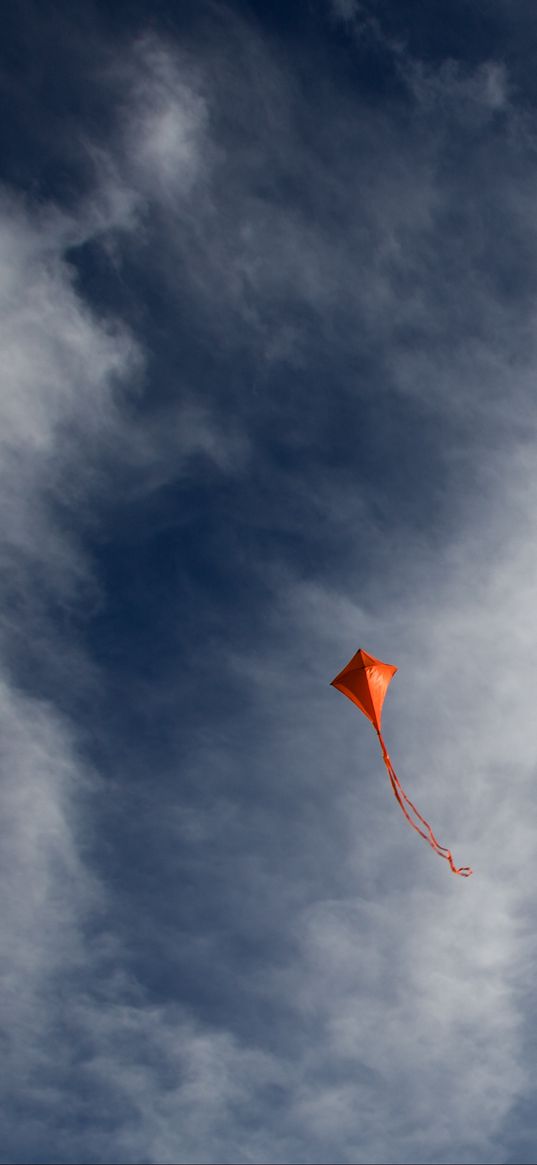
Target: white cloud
{"type": "Point", "coordinates": [68, 433]}
{"type": "Point", "coordinates": [165, 138]}
{"type": "Point", "coordinates": [416, 1005]}
{"type": "Point", "coordinates": [418, 985]}
{"type": "Point", "coordinates": [63, 373]}
{"type": "Point", "coordinates": [410, 998]}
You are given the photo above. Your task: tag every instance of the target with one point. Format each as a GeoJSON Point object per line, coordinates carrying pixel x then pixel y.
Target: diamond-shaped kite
{"type": "Point", "coordinates": [365, 681]}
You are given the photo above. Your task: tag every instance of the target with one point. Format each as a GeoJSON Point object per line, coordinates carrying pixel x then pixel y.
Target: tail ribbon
{"type": "Point", "coordinates": [426, 833]}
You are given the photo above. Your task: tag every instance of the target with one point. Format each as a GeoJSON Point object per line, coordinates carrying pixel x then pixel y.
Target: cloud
{"type": "Point", "coordinates": [349, 263]}
{"type": "Point", "coordinates": [411, 993]}
{"type": "Point", "coordinates": [223, 943]}
{"type": "Point", "coordinates": [63, 371]}
{"type": "Point", "coordinates": [346, 9]}
{"type": "Point", "coordinates": [164, 121]}
{"type": "Point", "coordinates": [481, 91]}
{"type": "Point", "coordinates": [73, 379]}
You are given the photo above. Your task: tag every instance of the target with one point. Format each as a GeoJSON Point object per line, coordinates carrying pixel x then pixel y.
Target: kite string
{"type": "Point", "coordinates": [429, 837]}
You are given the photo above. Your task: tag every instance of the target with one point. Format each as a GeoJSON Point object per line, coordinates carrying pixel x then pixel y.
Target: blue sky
{"type": "Point", "coordinates": [269, 288]}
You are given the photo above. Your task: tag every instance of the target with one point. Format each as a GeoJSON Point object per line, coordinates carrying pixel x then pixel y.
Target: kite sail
{"type": "Point", "coordinates": [365, 681]}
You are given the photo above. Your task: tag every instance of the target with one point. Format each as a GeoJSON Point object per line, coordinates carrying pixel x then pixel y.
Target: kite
{"type": "Point", "coordinates": [365, 681]}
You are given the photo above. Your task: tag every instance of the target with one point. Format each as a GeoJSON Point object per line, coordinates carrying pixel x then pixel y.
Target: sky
{"type": "Point", "coordinates": [269, 354]}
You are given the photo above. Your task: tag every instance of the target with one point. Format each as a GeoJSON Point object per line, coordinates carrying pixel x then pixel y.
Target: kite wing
{"type": "Point", "coordinates": [365, 681]}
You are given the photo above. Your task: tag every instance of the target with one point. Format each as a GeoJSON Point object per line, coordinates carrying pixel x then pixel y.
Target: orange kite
{"type": "Point", "coordinates": [365, 681]}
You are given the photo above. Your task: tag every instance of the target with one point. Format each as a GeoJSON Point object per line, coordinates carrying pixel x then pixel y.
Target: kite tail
{"type": "Point", "coordinates": [426, 833]}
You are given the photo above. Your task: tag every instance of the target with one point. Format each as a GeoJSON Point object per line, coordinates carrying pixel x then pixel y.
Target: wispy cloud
{"type": "Point", "coordinates": [305, 382]}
